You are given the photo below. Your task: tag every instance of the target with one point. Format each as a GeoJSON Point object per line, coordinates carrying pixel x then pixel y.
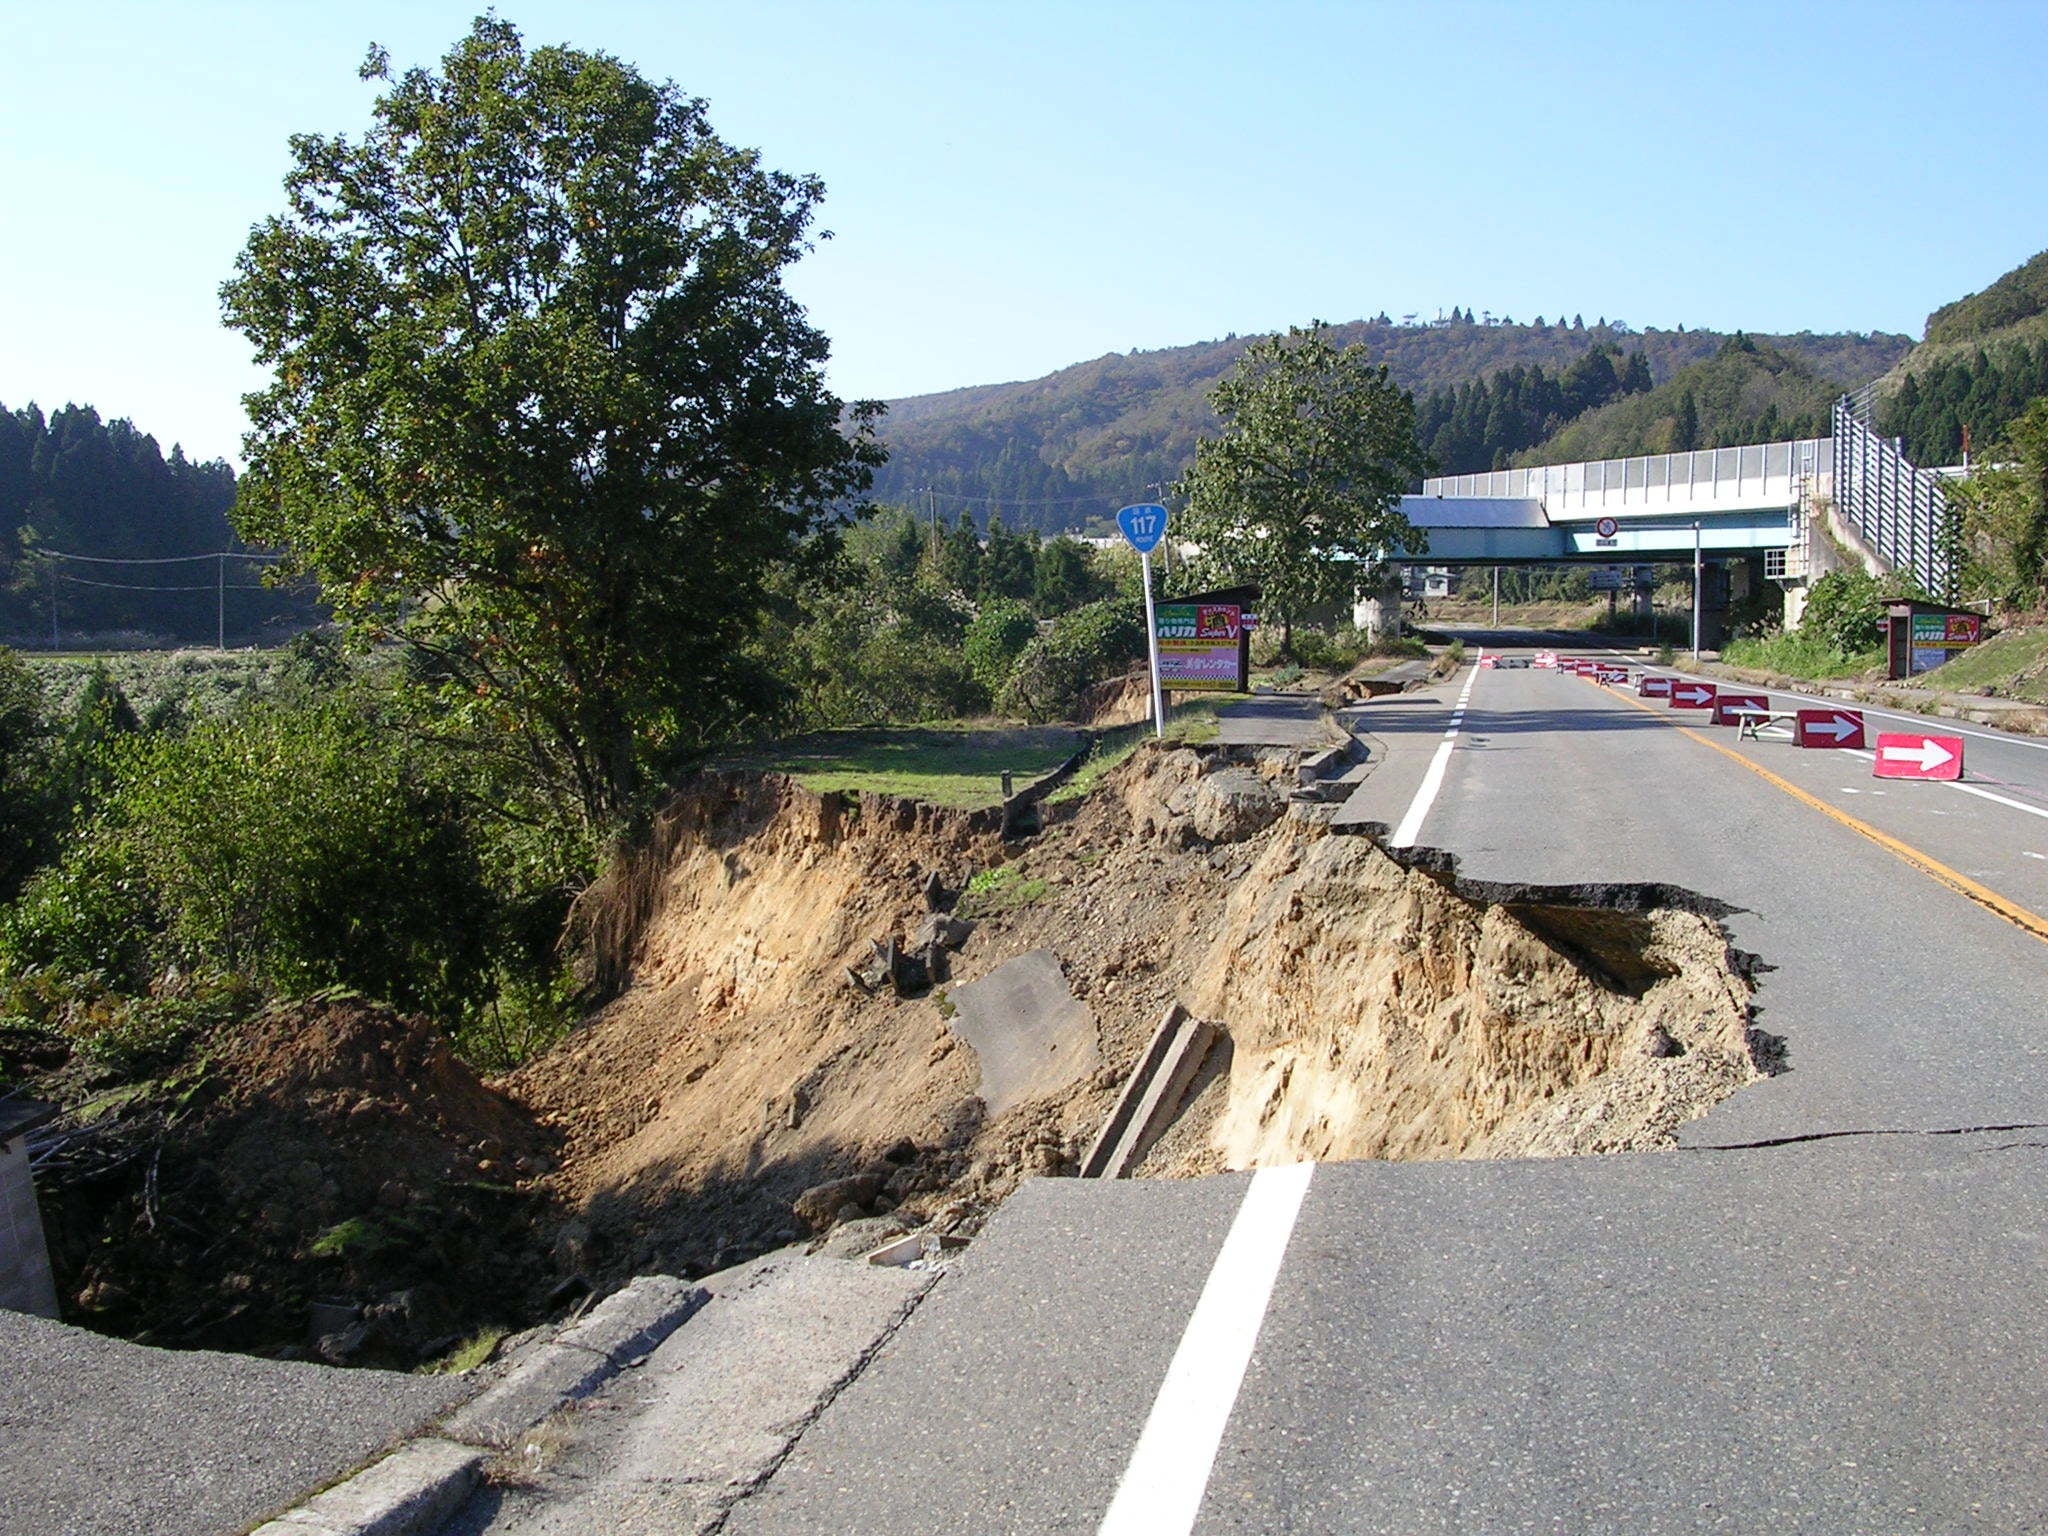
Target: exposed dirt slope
{"type": "Point", "coordinates": [1370, 1009]}
{"type": "Point", "coordinates": [329, 1150]}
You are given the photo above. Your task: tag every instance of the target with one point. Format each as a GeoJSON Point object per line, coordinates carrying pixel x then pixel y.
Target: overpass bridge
{"type": "Point", "coordinates": [1752, 508]}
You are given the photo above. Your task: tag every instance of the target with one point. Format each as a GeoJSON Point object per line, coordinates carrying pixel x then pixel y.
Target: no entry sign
{"type": "Point", "coordinates": [1913, 756]}
{"type": "Point", "coordinates": [1729, 708]}
{"type": "Point", "coordinates": [1829, 728]}
{"type": "Point", "coordinates": [1693, 695]}
{"type": "Point", "coordinates": [1655, 687]}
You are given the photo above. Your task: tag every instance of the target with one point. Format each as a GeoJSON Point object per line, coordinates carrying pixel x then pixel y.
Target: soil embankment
{"type": "Point", "coordinates": [1368, 1007]}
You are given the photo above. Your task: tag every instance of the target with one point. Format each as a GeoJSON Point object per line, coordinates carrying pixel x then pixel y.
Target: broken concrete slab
{"type": "Point", "coordinates": [1029, 1032]}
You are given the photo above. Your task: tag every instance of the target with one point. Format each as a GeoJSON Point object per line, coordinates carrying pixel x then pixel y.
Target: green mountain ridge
{"type": "Point", "coordinates": [1062, 451]}
{"type": "Point", "coordinates": [1985, 356]}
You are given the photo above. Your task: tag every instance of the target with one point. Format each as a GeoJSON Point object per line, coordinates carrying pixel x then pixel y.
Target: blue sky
{"type": "Point", "coordinates": [1017, 187]}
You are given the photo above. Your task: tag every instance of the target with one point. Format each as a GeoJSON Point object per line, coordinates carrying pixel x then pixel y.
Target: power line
{"type": "Point", "coordinates": [123, 586]}
{"type": "Point", "coordinates": [219, 554]}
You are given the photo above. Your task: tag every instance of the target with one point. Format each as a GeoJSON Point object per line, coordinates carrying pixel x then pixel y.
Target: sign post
{"type": "Point", "coordinates": [1143, 526]}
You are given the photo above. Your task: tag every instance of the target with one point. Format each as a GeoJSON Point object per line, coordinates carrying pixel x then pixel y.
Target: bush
{"type": "Point", "coordinates": [1081, 649]}
{"type": "Point", "coordinates": [994, 640]}
{"type": "Point", "coordinates": [299, 849]}
{"type": "Point", "coordinates": [1843, 612]}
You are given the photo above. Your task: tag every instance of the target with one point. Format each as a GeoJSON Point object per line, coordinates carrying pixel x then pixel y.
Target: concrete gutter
{"type": "Point", "coordinates": [416, 1488]}
{"type": "Point", "coordinates": [1151, 1095]}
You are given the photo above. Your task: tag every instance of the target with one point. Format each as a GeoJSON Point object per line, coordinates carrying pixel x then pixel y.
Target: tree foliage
{"type": "Point", "coordinates": [2004, 510]}
{"type": "Point", "coordinates": [541, 405]}
{"type": "Point", "coordinates": [1302, 488]}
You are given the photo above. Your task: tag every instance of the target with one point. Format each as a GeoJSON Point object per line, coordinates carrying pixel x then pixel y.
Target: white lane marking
{"type": "Point", "coordinates": [1985, 794]}
{"type": "Point", "coordinates": [1162, 1488]}
{"type": "Point", "coordinates": [1433, 780]}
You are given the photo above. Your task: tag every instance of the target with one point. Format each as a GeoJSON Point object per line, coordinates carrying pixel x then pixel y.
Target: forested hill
{"type": "Point", "coordinates": [1065, 450]}
{"type": "Point", "coordinates": [1985, 357]}
{"type": "Point", "coordinates": [104, 489]}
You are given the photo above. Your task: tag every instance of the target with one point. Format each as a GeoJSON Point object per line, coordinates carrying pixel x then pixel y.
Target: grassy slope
{"type": "Point", "coordinates": [959, 766]}
{"type": "Point", "coordinates": [2011, 665]}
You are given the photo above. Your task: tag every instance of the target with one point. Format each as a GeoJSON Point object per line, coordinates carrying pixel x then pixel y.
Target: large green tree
{"type": "Point", "coordinates": [1301, 491]}
{"type": "Point", "coordinates": [541, 405]}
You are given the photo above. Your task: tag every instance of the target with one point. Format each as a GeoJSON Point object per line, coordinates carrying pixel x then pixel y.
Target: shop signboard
{"type": "Point", "coordinates": [1201, 647]}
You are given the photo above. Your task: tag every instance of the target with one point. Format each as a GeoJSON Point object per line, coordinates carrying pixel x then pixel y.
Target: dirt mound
{"type": "Point", "coordinates": [322, 1178]}
{"type": "Point", "coordinates": [1369, 1005]}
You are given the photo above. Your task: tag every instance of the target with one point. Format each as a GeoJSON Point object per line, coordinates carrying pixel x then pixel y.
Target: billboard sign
{"type": "Point", "coordinates": [1201, 647]}
{"type": "Point", "coordinates": [1939, 637]}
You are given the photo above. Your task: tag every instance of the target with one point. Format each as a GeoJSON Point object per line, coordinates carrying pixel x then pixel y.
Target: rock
{"type": "Point", "coordinates": [856, 1237]}
{"type": "Point", "coordinates": [936, 897]}
{"type": "Point", "coordinates": [1659, 1044]}
{"type": "Point", "coordinates": [821, 1205]}
{"type": "Point", "coordinates": [848, 1212]}
{"type": "Point", "coordinates": [1234, 804]}
{"type": "Point", "coordinates": [904, 1151]}
{"type": "Point", "coordinates": [941, 930]}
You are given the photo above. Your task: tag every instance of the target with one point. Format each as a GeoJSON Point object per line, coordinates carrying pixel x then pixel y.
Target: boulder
{"type": "Point", "coordinates": [1235, 804]}
{"type": "Point", "coordinates": [821, 1205]}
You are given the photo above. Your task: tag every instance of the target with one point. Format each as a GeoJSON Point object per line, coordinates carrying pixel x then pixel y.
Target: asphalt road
{"type": "Point", "coordinates": [104, 1438]}
{"type": "Point", "coordinates": [1824, 1313]}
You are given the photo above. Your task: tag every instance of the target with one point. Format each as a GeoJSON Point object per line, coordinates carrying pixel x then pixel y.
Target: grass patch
{"type": "Point", "coordinates": [355, 1238]}
{"type": "Point", "coordinates": [1002, 889]}
{"type": "Point", "coordinates": [959, 766]}
{"type": "Point", "coordinates": [1190, 723]}
{"type": "Point", "coordinates": [1799, 654]}
{"type": "Point", "coordinates": [472, 1352]}
{"type": "Point", "coordinates": [2012, 665]}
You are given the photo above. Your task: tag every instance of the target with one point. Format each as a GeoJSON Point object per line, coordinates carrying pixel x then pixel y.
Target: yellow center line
{"type": "Point", "coordinates": [1928, 865]}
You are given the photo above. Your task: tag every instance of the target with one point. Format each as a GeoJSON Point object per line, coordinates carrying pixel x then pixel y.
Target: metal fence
{"type": "Point", "coordinates": [1762, 474]}
{"type": "Point", "coordinates": [1897, 508]}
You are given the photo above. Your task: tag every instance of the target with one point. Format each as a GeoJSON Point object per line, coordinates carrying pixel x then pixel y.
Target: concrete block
{"type": "Point", "coordinates": [411, 1492]}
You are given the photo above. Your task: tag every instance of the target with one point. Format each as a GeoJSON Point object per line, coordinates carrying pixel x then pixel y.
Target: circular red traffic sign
{"type": "Point", "coordinates": [1607, 527]}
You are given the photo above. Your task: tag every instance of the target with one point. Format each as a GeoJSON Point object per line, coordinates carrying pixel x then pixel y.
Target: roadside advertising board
{"type": "Point", "coordinates": [1938, 637]}
{"type": "Point", "coordinates": [1655, 687]}
{"type": "Point", "coordinates": [1829, 728]}
{"type": "Point", "coordinates": [1910, 755]}
{"type": "Point", "coordinates": [1605, 578]}
{"type": "Point", "coordinates": [1729, 708]}
{"type": "Point", "coordinates": [1686, 695]}
{"type": "Point", "coordinates": [1199, 649]}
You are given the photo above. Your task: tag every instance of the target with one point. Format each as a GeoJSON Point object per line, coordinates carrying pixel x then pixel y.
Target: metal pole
{"type": "Point", "coordinates": [1496, 597]}
{"type": "Point", "coordinates": [220, 602]}
{"type": "Point", "coordinates": [1695, 592]}
{"type": "Point", "coordinates": [1152, 648]}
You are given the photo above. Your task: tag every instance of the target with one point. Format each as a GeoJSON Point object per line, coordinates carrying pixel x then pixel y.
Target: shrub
{"type": "Point", "coordinates": [301, 849]}
{"type": "Point", "coordinates": [994, 640]}
{"type": "Point", "coordinates": [1082, 648]}
{"type": "Point", "coordinates": [1843, 612]}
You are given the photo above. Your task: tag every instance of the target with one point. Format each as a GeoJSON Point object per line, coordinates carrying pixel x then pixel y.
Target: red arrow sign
{"type": "Point", "coordinates": [1612, 674]}
{"type": "Point", "coordinates": [1692, 695]}
{"type": "Point", "coordinates": [1918, 757]}
{"type": "Point", "coordinates": [1729, 708]}
{"type": "Point", "coordinates": [1655, 687]}
{"type": "Point", "coordinates": [1546, 660]}
{"type": "Point", "coordinates": [1829, 728]}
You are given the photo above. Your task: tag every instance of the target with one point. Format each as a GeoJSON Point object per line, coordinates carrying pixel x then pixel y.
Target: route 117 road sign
{"type": "Point", "coordinates": [1693, 695]}
{"type": "Point", "coordinates": [1913, 756]}
{"type": "Point", "coordinates": [1829, 728]}
{"type": "Point", "coordinates": [1143, 526]}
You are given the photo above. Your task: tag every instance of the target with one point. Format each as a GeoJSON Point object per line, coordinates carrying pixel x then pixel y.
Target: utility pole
{"type": "Point", "coordinates": [1695, 592]}
{"type": "Point", "coordinates": [220, 602]}
{"type": "Point", "coordinates": [1496, 597]}
{"type": "Point", "coordinates": [53, 607]}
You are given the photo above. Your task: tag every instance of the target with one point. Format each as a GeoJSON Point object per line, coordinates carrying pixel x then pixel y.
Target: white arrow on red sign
{"type": "Point", "coordinates": [1729, 708]}
{"type": "Point", "coordinates": [1829, 728]}
{"type": "Point", "coordinates": [1918, 757]}
{"type": "Point", "coordinates": [1692, 695]}
{"type": "Point", "coordinates": [1655, 687]}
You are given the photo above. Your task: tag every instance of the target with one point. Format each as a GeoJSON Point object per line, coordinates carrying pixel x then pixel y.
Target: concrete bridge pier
{"type": "Point", "coordinates": [1378, 609]}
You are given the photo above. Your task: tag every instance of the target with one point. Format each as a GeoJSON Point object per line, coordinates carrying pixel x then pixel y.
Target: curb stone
{"type": "Point", "coordinates": [410, 1492]}
{"type": "Point", "coordinates": [416, 1488]}
{"type": "Point", "coordinates": [622, 1329]}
